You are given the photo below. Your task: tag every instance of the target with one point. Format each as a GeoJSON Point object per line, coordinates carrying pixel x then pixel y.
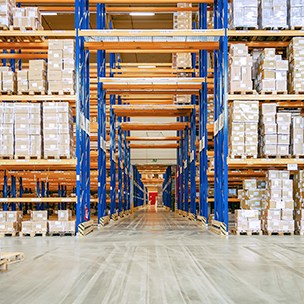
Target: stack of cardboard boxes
{"type": "Point", "coordinates": [58, 130]}
{"type": "Point", "coordinates": [247, 221]}
{"type": "Point", "coordinates": [278, 217]}
{"type": "Point", "coordinates": [272, 72]}
{"type": "Point", "coordinates": [7, 78]}
{"type": "Point", "coordinates": [6, 130]}
{"type": "Point", "coordinates": [298, 182]}
{"type": "Point", "coordinates": [273, 14]}
{"type": "Point", "coordinates": [182, 99]}
{"type": "Point", "coordinates": [243, 126]}
{"type": "Point", "coordinates": [240, 69]}
{"type": "Point", "coordinates": [61, 66]}
{"type": "Point", "coordinates": [10, 222]}
{"type": "Point", "coordinates": [6, 12]}
{"type": "Point", "coordinates": [37, 225]}
{"type": "Point", "coordinates": [297, 136]}
{"type": "Point", "coordinates": [182, 21]}
{"type": "Point", "coordinates": [275, 131]}
{"type": "Point", "coordinates": [244, 13]}
{"type": "Point", "coordinates": [27, 130]}
{"type": "Point", "coordinates": [64, 223]}
{"type": "Point", "coordinates": [37, 76]}
{"type": "Point", "coordinates": [296, 13]}
{"type": "Point", "coordinates": [295, 54]}
{"type": "Point", "coordinates": [22, 81]}
{"type": "Point", "coordinates": [253, 194]}
{"type": "Point", "coordinates": [27, 17]}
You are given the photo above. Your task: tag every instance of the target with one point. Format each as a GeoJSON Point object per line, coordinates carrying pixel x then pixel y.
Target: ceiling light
{"type": "Point", "coordinates": [142, 14]}
{"type": "Point", "coordinates": [49, 14]}
{"type": "Point", "coordinates": [147, 67]}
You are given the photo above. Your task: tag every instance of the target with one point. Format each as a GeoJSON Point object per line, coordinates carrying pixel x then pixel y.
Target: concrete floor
{"type": "Point", "coordinates": [155, 258]}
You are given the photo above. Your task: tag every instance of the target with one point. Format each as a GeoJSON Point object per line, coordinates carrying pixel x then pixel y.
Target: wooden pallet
{"type": "Point", "coordinates": [191, 217]}
{"type": "Point", "coordinates": [56, 157]}
{"type": "Point", "coordinates": [297, 92]}
{"type": "Point", "coordinates": [12, 234]}
{"type": "Point", "coordinates": [105, 220]}
{"type": "Point", "coordinates": [61, 92]}
{"type": "Point", "coordinates": [274, 92]}
{"type": "Point", "coordinates": [281, 233]}
{"type": "Point", "coordinates": [245, 28]}
{"type": "Point", "coordinates": [202, 219]}
{"type": "Point", "coordinates": [7, 92]}
{"type": "Point", "coordinates": [267, 28]}
{"type": "Point", "coordinates": [6, 157]}
{"type": "Point", "coordinates": [12, 257]}
{"type": "Point", "coordinates": [121, 214]}
{"type": "Point", "coordinates": [297, 28]}
{"type": "Point", "coordinates": [86, 228]}
{"type": "Point", "coordinates": [22, 28]}
{"type": "Point", "coordinates": [299, 232]}
{"type": "Point", "coordinates": [62, 233]}
{"type": "Point", "coordinates": [249, 232]}
{"type": "Point", "coordinates": [299, 156]}
{"type": "Point", "coordinates": [114, 217]}
{"type": "Point", "coordinates": [3, 265]}
{"type": "Point", "coordinates": [233, 156]}
{"type": "Point", "coordinates": [4, 27]}
{"type": "Point", "coordinates": [245, 92]}
{"type": "Point", "coordinates": [37, 92]}
{"type": "Point", "coordinates": [218, 227]}
{"type": "Point", "coordinates": [19, 157]}
{"type": "Point", "coordinates": [33, 234]}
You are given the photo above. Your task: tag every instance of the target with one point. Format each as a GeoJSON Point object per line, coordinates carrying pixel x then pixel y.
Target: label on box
{"type": "Point", "coordinates": [292, 167]}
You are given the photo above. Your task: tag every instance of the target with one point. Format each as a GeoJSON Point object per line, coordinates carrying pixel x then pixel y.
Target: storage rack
{"type": "Point", "coordinates": [199, 42]}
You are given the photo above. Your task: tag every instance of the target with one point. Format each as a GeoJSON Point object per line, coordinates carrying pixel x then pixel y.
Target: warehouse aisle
{"type": "Point", "coordinates": [154, 257]}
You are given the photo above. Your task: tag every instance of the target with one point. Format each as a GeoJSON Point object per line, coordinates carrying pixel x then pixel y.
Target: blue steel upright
{"type": "Point", "coordinates": [82, 63]}
{"type": "Point", "coordinates": [102, 130]}
{"type": "Point", "coordinates": [203, 121]}
{"type": "Point", "coordinates": [221, 115]}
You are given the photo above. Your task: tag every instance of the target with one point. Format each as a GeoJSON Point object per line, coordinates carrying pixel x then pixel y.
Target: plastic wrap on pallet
{"type": "Point", "coordinates": [273, 14]}
{"type": "Point", "coordinates": [243, 14]}
{"type": "Point", "coordinates": [296, 13]}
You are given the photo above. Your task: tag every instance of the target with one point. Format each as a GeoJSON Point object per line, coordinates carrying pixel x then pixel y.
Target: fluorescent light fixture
{"type": "Point", "coordinates": [49, 14]}
{"type": "Point", "coordinates": [147, 67]}
{"type": "Point", "coordinates": [142, 14]}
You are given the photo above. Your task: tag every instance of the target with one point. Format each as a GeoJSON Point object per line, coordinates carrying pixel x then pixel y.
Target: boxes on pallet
{"type": "Point", "coordinates": [40, 227]}
{"type": "Point", "coordinates": [27, 130]}
{"type": "Point", "coordinates": [295, 54]}
{"type": "Point", "coordinates": [243, 126]}
{"type": "Point", "coordinates": [296, 13]}
{"type": "Point", "coordinates": [26, 227]}
{"type": "Point", "coordinates": [240, 69]}
{"type": "Point", "coordinates": [37, 76]}
{"type": "Point", "coordinates": [61, 70]}
{"type": "Point", "coordinates": [22, 81]}
{"type": "Point", "coordinates": [273, 14]}
{"type": "Point", "coordinates": [6, 12]}
{"type": "Point", "coordinates": [272, 72]}
{"type": "Point", "coordinates": [299, 190]}
{"type": "Point", "coordinates": [247, 220]}
{"type": "Point", "coordinates": [27, 17]}
{"type": "Point", "coordinates": [243, 13]}
{"type": "Point", "coordinates": [8, 81]}
{"type": "Point", "coordinates": [7, 130]}
{"type": "Point", "coordinates": [182, 20]}
{"type": "Point", "coordinates": [182, 99]}
{"type": "Point", "coordinates": [61, 227]}
{"type": "Point", "coordinates": [297, 136]}
{"type": "Point", "coordinates": [251, 197]}
{"type": "Point", "coordinates": [58, 130]}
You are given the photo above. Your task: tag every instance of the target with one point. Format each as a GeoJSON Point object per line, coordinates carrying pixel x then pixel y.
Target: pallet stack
{"type": "Point", "coordinates": [275, 132]}
{"type": "Point", "coordinates": [243, 126]}
{"type": "Point", "coordinates": [7, 77]}
{"type": "Point", "coordinates": [278, 216]}
{"type": "Point", "coordinates": [297, 136]}
{"type": "Point", "coordinates": [6, 13]}
{"type": "Point", "coordinates": [299, 201]}
{"type": "Point", "coordinates": [296, 65]}
{"type": "Point", "coordinates": [243, 14]}
{"type": "Point", "coordinates": [38, 225]}
{"type": "Point", "coordinates": [27, 131]}
{"type": "Point", "coordinates": [273, 14]}
{"type": "Point", "coordinates": [10, 223]}
{"type": "Point", "coordinates": [64, 224]}
{"type": "Point", "coordinates": [28, 18]}
{"type": "Point", "coordinates": [272, 73]}
{"type": "Point", "coordinates": [296, 14]}
{"type": "Point", "coordinates": [247, 222]}
{"type": "Point", "coordinates": [240, 69]}
{"type": "Point", "coordinates": [7, 130]}
{"type": "Point", "coordinates": [58, 130]}
{"type": "Point", "coordinates": [37, 77]}
{"type": "Point", "coordinates": [61, 66]}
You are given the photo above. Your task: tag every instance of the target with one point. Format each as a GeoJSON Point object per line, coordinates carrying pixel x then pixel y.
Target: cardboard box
{"type": "Point", "coordinates": [64, 215]}
{"type": "Point", "coordinates": [39, 216]}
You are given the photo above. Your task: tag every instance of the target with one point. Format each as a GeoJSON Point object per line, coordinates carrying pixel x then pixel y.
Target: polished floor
{"type": "Point", "coordinates": [155, 257]}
